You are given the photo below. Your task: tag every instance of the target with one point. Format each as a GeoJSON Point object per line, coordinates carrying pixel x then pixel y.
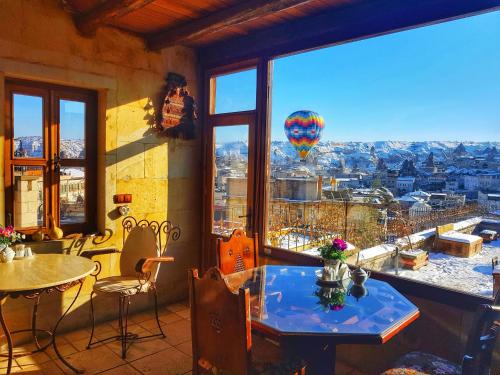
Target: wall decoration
{"type": "Point", "coordinates": [178, 114]}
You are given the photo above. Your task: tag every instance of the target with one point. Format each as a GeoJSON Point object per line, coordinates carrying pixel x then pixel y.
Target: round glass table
{"type": "Point", "coordinates": [30, 277]}
{"type": "Point", "coordinates": [288, 304]}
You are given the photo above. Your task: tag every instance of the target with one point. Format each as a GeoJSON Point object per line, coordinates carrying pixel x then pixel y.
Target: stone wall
{"type": "Point", "coordinates": [38, 41]}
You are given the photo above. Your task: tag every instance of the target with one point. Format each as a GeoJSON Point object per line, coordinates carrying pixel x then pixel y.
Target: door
{"type": "Point", "coordinates": [229, 193]}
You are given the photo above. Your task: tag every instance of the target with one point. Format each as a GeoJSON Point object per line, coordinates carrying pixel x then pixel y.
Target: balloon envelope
{"type": "Point", "coordinates": [303, 130]}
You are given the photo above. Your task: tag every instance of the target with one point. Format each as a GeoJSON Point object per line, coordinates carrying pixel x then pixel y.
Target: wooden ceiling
{"type": "Point", "coordinates": [196, 23]}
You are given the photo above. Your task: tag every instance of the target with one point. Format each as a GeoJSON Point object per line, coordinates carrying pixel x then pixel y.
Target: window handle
{"type": "Point", "coordinates": [56, 161]}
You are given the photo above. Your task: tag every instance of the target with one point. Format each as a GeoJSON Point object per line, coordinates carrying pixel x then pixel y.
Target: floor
{"type": "Point", "coordinates": [169, 356]}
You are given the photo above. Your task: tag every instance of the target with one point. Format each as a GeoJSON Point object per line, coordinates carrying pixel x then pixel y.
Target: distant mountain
{"type": "Point", "coordinates": [365, 155]}
{"type": "Point", "coordinates": [32, 147]}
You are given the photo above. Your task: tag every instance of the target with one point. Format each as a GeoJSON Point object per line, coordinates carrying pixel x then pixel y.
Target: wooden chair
{"type": "Point", "coordinates": [238, 253]}
{"type": "Point", "coordinates": [144, 247]}
{"type": "Point", "coordinates": [221, 331]}
{"type": "Point", "coordinates": [478, 351]}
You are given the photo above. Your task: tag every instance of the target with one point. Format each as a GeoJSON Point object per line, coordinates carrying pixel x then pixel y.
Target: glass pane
{"type": "Point", "coordinates": [28, 196]}
{"type": "Point", "coordinates": [236, 92]}
{"type": "Point", "coordinates": [72, 195]}
{"type": "Point", "coordinates": [72, 129]}
{"type": "Point", "coordinates": [409, 142]}
{"type": "Point", "coordinates": [28, 126]}
{"type": "Point", "coordinates": [230, 178]}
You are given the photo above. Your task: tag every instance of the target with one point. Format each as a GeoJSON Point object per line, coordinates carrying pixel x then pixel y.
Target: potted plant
{"type": "Point", "coordinates": [8, 236]}
{"type": "Point", "coordinates": [334, 256]}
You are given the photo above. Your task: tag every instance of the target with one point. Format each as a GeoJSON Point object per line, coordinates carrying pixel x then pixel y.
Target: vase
{"type": "Point", "coordinates": [335, 270]}
{"type": "Point", "coordinates": [7, 254]}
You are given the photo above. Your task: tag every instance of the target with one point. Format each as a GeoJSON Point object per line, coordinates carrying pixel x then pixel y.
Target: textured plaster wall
{"type": "Point", "coordinates": [38, 41]}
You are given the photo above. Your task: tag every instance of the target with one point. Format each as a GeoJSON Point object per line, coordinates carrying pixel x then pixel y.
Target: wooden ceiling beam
{"type": "Point", "coordinates": [215, 22]}
{"type": "Point", "coordinates": [344, 24]}
{"type": "Point", "coordinates": [100, 15]}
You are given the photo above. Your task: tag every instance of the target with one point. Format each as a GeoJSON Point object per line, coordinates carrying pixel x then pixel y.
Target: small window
{"type": "Point", "coordinates": [235, 92]}
{"type": "Point", "coordinates": [50, 168]}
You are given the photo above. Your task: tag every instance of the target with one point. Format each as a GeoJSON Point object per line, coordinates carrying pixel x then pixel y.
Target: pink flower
{"type": "Point", "coordinates": [336, 307]}
{"type": "Point", "coordinates": [339, 244]}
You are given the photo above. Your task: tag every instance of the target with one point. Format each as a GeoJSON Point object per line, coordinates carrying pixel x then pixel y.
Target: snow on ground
{"type": "Point", "coordinates": [472, 275]}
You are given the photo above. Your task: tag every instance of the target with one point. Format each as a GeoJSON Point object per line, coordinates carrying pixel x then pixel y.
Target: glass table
{"type": "Point", "coordinates": [288, 304]}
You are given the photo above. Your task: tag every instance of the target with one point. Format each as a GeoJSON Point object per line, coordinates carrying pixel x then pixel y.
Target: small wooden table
{"type": "Point", "coordinates": [30, 277]}
{"type": "Point", "coordinates": [287, 304]}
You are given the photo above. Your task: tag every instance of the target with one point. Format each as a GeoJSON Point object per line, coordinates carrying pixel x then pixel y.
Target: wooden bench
{"type": "Point", "coordinates": [455, 243]}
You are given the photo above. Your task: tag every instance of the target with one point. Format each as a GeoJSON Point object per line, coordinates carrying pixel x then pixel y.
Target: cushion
{"type": "Point", "coordinates": [459, 237]}
{"type": "Point", "coordinates": [419, 363]}
{"type": "Point", "coordinates": [126, 285]}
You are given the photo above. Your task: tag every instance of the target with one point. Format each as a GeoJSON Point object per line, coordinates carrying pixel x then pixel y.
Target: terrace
{"type": "Point", "coordinates": [126, 114]}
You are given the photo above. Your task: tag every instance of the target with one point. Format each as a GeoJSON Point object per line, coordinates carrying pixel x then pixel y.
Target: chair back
{"type": "Point", "coordinates": [220, 325]}
{"type": "Point", "coordinates": [144, 239]}
{"type": "Point", "coordinates": [238, 253]}
{"type": "Point", "coordinates": [481, 342]}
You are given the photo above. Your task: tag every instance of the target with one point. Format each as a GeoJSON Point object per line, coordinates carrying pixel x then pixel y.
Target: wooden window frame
{"type": "Point", "coordinates": [52, 94]}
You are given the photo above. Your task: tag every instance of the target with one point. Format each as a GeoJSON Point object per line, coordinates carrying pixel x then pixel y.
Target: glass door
{"type": "Point", "coordinates": [230, 192]}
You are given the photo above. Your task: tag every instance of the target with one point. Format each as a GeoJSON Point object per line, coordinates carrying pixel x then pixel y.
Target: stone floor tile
{"type": "Point", "coordinates": [47, 368]}
{"type": "Point", "coordinates": [167, 362]}
{"type": "Point", "coordinates": [33, 359]}
{"type": "Point", "coordinates": [178, 332]}
{"type": "Point", "coordinates": [64, 347]}
{"type": "Point", "coordinates": [177, 307]}
{"type": "Point", "coordinates": [169, 317]}
{"type": "Point", "coordinates": [151, 325]}
{"type": "Point", "coordinates": [186, 314]}
{"type": "Point", "coordinates": [142, 316]}
{"type": "Point", "coordinates": [76, 335]}
{"type": "Point", "coordinates": [186, 348]}
{"type": "Point", "coordinates": [121, 370]}
{"type": "Point", "coordinates": [95, 360]}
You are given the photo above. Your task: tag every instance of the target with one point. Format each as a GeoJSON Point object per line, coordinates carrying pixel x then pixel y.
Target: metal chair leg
{"type": "Point", "coordinates": [156, 312]}
{"type": "Point", "coordinates": [92, 317]}
{"type": "Point", "coordinates": [123, 322]}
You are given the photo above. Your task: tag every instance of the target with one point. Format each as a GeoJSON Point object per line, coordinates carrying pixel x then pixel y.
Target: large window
{"type": "Point", "coordinates": [383, 140]}
{"type": "Point", "coordinates": [50, 159]}
{"type": "Point", "coordinates": [378, 142]}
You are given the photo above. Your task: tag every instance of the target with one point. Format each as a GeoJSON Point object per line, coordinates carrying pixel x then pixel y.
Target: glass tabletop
{"type": "Point", "coordinates": [288, 301]}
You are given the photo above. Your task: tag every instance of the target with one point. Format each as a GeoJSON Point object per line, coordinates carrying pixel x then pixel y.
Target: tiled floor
{"type": "Point", "coordinates": [169, 356]}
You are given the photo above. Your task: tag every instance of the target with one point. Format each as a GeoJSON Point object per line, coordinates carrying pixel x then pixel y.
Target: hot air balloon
{"type": "Point", "coordinates": [303, 130]}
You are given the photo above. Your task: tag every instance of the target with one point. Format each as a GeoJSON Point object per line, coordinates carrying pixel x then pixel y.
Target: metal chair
{"type": "Point", "coordinates": [238, 253]}
{"type": "Point", "coordinates": [478, 351]}
{"type": "Point", "coordinates": [144, 246]}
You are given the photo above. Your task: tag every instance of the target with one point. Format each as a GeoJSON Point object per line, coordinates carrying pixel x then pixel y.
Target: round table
{"type": "Point", "coordinates": [30, 277]}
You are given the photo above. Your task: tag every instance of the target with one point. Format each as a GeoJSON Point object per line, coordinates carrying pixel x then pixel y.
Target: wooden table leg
{"type": "Point", "coordinates": [6, 331]}
{"type": "Point", "coordinates": [322, 361]}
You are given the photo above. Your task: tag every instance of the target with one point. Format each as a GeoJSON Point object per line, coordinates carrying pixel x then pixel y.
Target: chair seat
{"type": "Point", "coordinates": [125, 285]}
{"type": "Point", "coordinates": [419, 363]}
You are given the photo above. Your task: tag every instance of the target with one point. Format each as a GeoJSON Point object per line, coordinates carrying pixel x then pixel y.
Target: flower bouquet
{"type": "Point", "coordinates": [8, 236]}
{"type": "Point", "coordinates": [331, 298]}
{"type": "Point", "coordinates": [334, 256]}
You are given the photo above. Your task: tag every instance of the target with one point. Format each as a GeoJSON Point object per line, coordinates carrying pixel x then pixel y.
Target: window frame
{"type": "Point", "coordinates": [52, 94]}
{"type": "Point", "coordinates": [264, 61]}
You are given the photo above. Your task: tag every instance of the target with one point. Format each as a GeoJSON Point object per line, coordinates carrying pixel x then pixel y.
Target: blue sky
{"type": "Point", "coordinates": [28, 117]}
{"type": "Point", "coordinates": [440, 82]}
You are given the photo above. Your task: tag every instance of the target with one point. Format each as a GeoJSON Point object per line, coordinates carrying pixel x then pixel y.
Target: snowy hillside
{"type": "Point", "coordinates": [32, 146]}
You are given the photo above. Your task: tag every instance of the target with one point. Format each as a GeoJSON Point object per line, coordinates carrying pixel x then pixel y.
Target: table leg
{"type": "Point", "coordinates": [54, 333]}
{"type": "Point", "coordinates": [6, 332]}
{"type": "Point", "coordinates": [322, 361]}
